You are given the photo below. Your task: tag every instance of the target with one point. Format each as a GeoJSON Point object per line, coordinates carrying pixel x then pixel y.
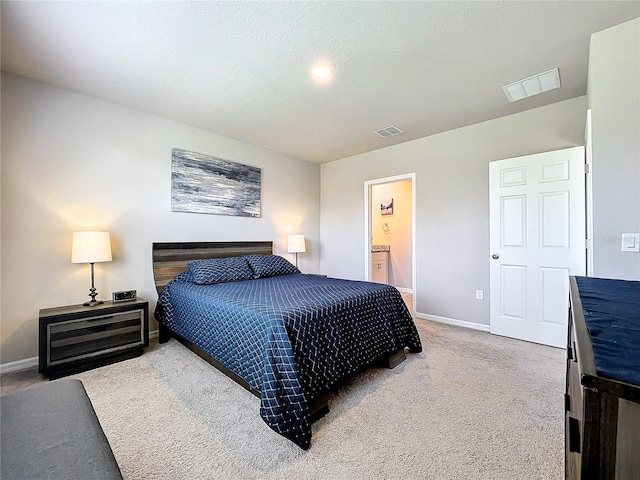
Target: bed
{"type": "Point", "coordinates": [287, 337]}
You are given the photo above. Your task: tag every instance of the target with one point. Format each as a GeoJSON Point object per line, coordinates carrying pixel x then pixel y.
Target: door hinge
{"type": "Point", "coordinates": [587, 244]}
{"type": "Point", "coordinates": [587, 168]}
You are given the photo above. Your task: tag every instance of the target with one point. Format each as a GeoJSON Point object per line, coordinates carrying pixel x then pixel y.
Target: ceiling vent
{"type": "Point", "coordinates": [543, 82]}
{"type": "Point", "coordinates": [389, 131]}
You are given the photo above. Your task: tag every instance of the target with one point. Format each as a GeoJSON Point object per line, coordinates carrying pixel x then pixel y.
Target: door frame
{"type": "Point", "coordinates": [588, 152]}
{"type": "Point", "coordinates": [367, 226]}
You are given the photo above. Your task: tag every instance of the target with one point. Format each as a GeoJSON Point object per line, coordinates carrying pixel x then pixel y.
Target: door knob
{"type": "Point", "coordinates": [495, 256]}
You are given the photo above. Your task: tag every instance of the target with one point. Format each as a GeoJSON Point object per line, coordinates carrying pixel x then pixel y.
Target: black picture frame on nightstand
{"type": "Point", "coordinates": [76, 338]}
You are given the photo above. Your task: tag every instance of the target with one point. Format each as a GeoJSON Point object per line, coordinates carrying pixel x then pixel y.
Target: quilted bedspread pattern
{"type": "Point", "coordinates": [290, 337]}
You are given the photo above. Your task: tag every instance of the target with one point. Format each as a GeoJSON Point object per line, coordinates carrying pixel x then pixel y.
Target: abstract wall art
{"type": "Point", "coordinates": [205, 184]}
{"type": "Point", "coordinates": [386, 206]}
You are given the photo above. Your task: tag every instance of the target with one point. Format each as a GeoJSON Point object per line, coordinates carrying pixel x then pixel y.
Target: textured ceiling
{"type": "Point", "coordinates": [241, 69]}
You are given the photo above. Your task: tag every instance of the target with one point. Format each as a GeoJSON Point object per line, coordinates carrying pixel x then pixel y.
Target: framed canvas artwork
{"type": "Point", "coordinates": [205, 184]}
{"type": "Point", "coordinates": [386, 206]}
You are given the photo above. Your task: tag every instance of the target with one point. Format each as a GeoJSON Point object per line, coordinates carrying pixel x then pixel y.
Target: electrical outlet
{"type": "Point", "coordinates": [479, 294]}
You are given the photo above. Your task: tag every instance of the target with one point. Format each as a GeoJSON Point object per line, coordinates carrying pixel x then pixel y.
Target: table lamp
{"type": "Point", "coordinates": [91, 247]}
{"type": "Point", "coordinates": [296, 245]}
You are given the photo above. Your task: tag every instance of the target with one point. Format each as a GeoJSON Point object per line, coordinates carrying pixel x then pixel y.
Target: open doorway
{"type": "Point", "coordinates": [390, 217]}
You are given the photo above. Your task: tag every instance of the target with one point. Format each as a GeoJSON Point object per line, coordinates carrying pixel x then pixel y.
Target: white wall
{"type": "Point", "coordinates": [614, 99]}
{"type": "Point", "coordinates": [72, 162]}
{"type": "Point", "coordinates": [452, 202]}
{"type": "Point", "coordinates": [398, 233]}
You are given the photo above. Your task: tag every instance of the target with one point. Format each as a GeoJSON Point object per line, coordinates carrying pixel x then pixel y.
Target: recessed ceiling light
{"type": "Point", "coordinates": [528, 87]}
{"type": "Point", "coordinates": [322, 72]}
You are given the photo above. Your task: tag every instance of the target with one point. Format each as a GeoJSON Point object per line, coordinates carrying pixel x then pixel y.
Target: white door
{"type": "Point", "coordinates": [537, 239]}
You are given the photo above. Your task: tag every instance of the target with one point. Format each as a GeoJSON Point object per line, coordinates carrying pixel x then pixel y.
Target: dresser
{"type": "Point", "coordinates": [75, 338]}
{"type": "Point", "coordinates": [602, 394]}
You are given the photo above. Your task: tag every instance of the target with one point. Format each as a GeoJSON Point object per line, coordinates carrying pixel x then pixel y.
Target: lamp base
{"type": "Point", "coordinates": [92, 303]}
{"type": "Point", "coordinates": [92, 293]}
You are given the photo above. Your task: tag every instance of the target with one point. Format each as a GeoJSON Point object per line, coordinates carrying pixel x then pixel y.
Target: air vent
{"type": "Point", "coordinates": [528, 87]}
{"type": "Point", "coordinates": [389, 131]}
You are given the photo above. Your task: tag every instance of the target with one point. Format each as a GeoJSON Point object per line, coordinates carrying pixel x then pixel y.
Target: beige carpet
{"type": "Point", "coordinates": [471, 406]}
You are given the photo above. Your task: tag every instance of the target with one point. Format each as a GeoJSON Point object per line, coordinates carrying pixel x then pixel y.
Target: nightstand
{"type": "Point", "coordinates": [77, 338]}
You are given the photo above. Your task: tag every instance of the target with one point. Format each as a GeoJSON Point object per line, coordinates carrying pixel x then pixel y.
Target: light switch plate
{"type": "Point", "coordinates": [631, 242]}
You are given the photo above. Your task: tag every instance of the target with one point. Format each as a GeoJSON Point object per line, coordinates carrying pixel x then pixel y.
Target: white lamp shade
{"type": "Point", "coordinates": [91, 247]}
{"type": "Point", "coordinates": [296, 244]}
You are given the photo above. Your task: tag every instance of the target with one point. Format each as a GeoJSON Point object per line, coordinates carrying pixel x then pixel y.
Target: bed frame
{"type": "Point", "coordinates": [170, 259]}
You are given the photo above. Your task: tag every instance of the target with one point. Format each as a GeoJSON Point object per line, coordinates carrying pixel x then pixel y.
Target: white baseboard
{"type": "Point", "coordinates": [405, 290]}
{"type": "Point", "coordinates": [27, 363]}
{"type": "Point", "coordinates": [453, 321]}
{"type": "Point", "coordinates": [18, 365]}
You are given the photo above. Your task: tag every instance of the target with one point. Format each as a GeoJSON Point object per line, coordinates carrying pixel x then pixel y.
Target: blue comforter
{"type": "Point", "coordinates": [290, 337]}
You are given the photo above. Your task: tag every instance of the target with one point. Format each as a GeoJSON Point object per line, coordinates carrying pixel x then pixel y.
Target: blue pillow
{"type": "Point", "coordinates": [219, 270]}
{"type": "Point", "coordinates": [270, 265]}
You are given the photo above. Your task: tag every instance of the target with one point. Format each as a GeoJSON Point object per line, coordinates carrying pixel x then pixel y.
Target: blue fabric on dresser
{"type": "Point", "coordinates": [290, 337]}
{"type": "Point", "coordinates": [612, 313]}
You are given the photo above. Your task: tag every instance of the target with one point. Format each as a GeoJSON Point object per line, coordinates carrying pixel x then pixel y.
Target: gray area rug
{"type": "Point", "coordinates": [471, 406]}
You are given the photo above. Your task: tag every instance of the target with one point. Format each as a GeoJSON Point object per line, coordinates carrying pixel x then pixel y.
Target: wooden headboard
{"type": "Point", "coordinates": [170, 259]}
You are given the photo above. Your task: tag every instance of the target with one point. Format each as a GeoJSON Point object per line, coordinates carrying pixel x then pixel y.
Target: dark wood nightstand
{"type": "Point", "coordinates": [77, 338]}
